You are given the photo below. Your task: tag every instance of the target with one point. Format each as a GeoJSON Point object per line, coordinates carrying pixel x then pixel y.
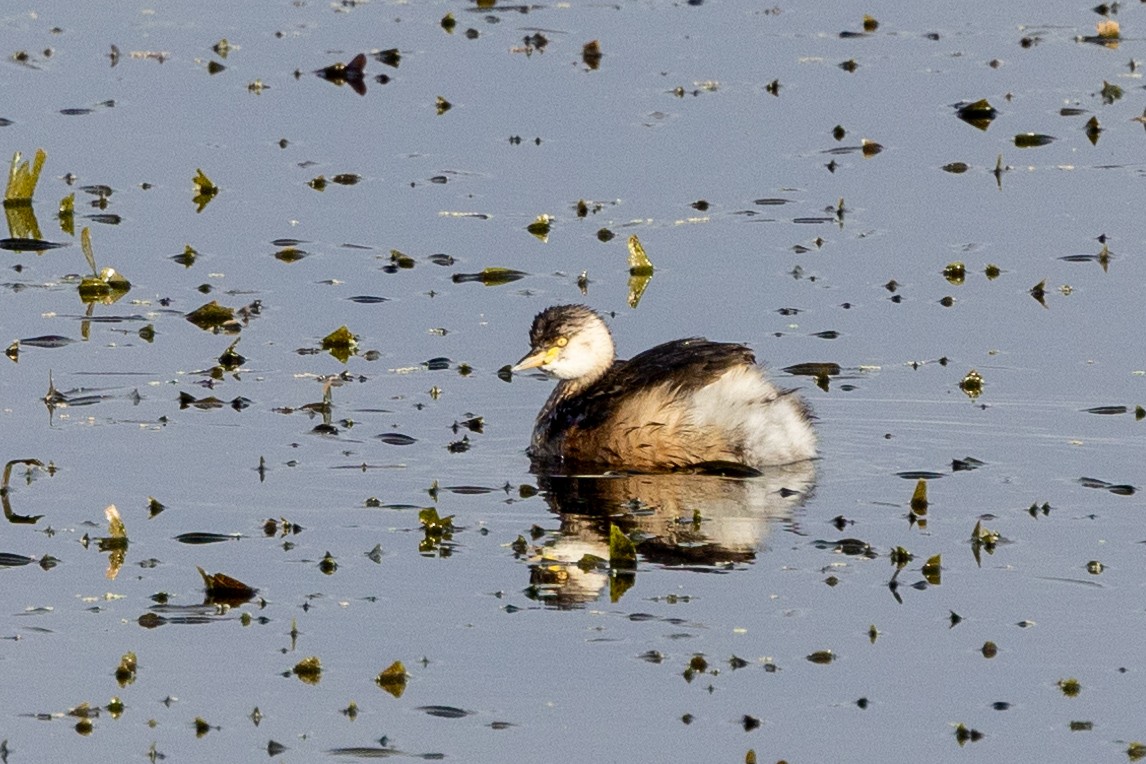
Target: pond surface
{"type": "Point", "coordinates": [792, 615]}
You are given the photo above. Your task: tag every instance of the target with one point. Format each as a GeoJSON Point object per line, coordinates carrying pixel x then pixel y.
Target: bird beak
{"type": "Point", "coordinates": [534, 358]}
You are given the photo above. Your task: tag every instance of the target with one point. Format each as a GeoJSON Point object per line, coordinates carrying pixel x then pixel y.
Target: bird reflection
{"type": "Point", "coordinates": [692, 521]}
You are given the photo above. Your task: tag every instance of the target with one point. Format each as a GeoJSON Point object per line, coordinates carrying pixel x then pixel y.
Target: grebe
{"type": "Point", "coordinates": [686, 405]}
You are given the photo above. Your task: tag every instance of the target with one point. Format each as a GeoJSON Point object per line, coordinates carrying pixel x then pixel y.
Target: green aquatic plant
{"type": "Point", "coordinates": [622, 551]}
{"type": "Point", "coordinates": [540, 227]}
{"type": "Point", "coordinates": [309, 670]}
{"type": "Point", "coordinates": [640, 271]}
{"type": "Point", "coordinates": [205, 190]}
{"type": "Point", "coordinates": [125, 671]}
{"type": "Point", "coordinates": [224, 588]}
{"type": "Point", "coordinates": [67, 214]}
{"type": "Point", "coordinates": [22, 179]}
{"type": "Point", "coordinates": [492, 276]}
{"type": "Point", "coordinates": [955, 273]}
{"type": "Point", "coordinates": [393, 679]}
{"type": "Point", "coordinates": [932, 570]}
{"type": "Point", "coordinates": [919, 498]}
{"type": "Point", "coordinates": [105, 285]}
{"type": "Point", "coordinates": [341, 343]}
{"type": "Point", "coordinates": [212, 316]}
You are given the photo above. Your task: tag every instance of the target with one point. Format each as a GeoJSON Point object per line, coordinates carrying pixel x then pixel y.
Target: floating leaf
{"type": "Point", "coordinates": [1093, 130]}
{"type": "Point", "coordinates": [540, 227]}
{"type": "Point", "coordinates": [1039, 292]}
{"type": "Point", "coordinates": [591, 54]}
{"type": "Point", "coordinates": [492, 276]}
{"type": "Point", "coordinates": [955, 273]}
{"type": "Point", "coordinates": [1106, 410]}
{"type": "Point", "coordinates": [309, 670]}
{"type": "Point", "coordinates": [205, 190]}
{"type": "Point", "coordinates": [445, 712]}
{"type": "Point", "coordinates": [396, 439]}
{"type": "Point", "coordinates": [964, 734]}
{"type": "Point", "coordinates": [393, 679]}
{"type": "Point", "coordinates": [932, 570]}
{"type": "Point", "coordinates": [352, 74]}
{"type": "Point", "coordinates": [1110, 93]}
{"type": "Point", "coordinates": [290, 255]}
{"type": "Point", "coordinates": [115, 524]}
{"type": "Point", "coordinates": [978, 114]}
{"type": "Point", "coordinates": [125, 671]}
{"type": "Point", "coordinates": [340, 343]}
{"type": "Point", "coordinates": [640, 271]}
{"type": "Point", "coordinates": [212, 315]}
{"type": "Point", "coordinates": [222, 588]}
{"type": "Point", "coordinates": [1032, 140]}
{"type": "Point", "coordinates": [400, 260]}
{"type": "Point", "coordinates": [19, 244]}
{"type": "Point", "coordinates": [813, 369]}
{"type": "Point", "coordinates": [919, 498]}
{"type": "Point", "coordinates": [638, 261]}
{"type": "Point", "coordinates": [972, 384]}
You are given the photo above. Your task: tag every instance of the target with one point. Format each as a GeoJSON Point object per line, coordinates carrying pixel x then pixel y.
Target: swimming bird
{"type": "Point", "coordinates": [686, 405]}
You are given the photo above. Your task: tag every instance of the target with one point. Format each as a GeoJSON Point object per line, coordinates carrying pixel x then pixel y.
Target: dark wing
{"type": "Point", "coordinates": [685, 365]}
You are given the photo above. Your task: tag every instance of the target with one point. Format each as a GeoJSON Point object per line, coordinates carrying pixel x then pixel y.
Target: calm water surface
{"type": "Point", "coordinates": [704, 653]}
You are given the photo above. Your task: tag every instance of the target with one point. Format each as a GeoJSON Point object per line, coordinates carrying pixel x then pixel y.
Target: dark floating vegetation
{"type": "Point", "coordinates": [1121, 489]}
{"type": "Point", "coordinates": [491, 276]}
{"type": "Point", "coordinates": [396, 439]}
{"type": "Point", "coordinates": [1032, 140]}
{"type": "Point", "coordinates": [220, 587]}
{"type": "Point", "coordinates": [978, 114]}
{"type": "Point", "coordinates": [205, 190]}
{"type": "Point", "coordinates": [563, 552]}
{"type": "Point", "coordinates": [352, 73]}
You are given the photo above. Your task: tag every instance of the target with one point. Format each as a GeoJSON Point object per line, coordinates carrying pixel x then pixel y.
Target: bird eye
{"type": "Point", "coordinates": [562, 342]}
